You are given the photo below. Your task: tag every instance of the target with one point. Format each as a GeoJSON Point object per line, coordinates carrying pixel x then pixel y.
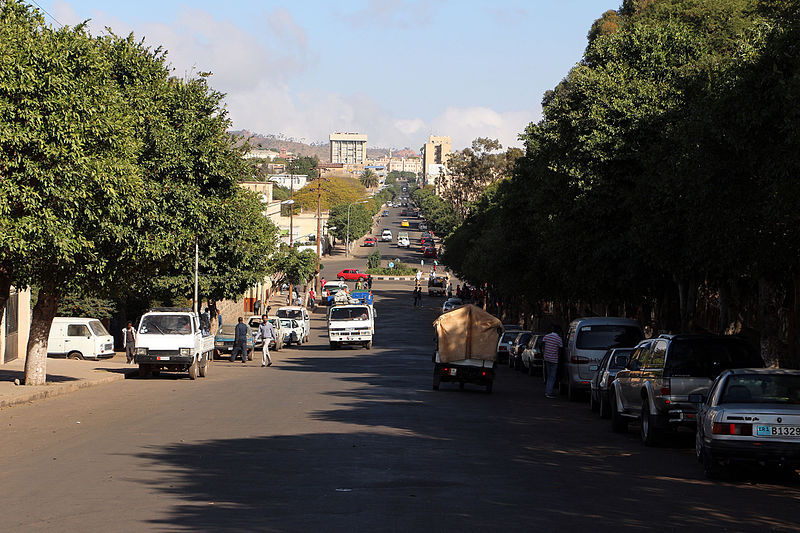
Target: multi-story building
{"type": "Point", "coordinates": [348, 148]}
{"type": "Point", "coordinates": [286, 180]}
{"type": "Point", "coordinates": [434, 157]}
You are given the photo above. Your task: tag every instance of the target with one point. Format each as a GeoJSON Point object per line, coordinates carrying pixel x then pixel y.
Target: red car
{"type": "Point", "coordinates": [370, 241]}
{"type": "Point", "coordinates": [352, 274]}
{"type": "Point", "coordinates": [428, 251]}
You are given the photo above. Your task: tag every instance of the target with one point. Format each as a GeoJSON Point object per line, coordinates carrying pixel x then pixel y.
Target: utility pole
{"type": "Point", "coordinates": [291, 206]}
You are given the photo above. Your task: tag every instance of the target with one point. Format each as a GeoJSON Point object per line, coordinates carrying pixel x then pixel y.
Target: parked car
{"type": "Point", "coordinates": [254, 322]}
{"type": "Point", "coordinates": [370, 241]}
{"type": "Point", "coordinates": [751, 415]}
{"type": "Point", "coordinates": [613, 361]}
{"type": "Point", "coordinates": [385, 213]}
{"type": "Point", "coordinates": [451, 303]}
{"type": "Point", "coordinates": [292, 331]}
{"type": "Point", "coordinates": [423, 226]}
{"type": "Point", "coordinates": [223, 341]}
{"type": "Point", "coordinates": [404, 223]}
{"type": "Point", "coordinates": [587, 342]}
{"type": "Point", "coordinates": [79, 338]}
{"type": "Point", "coordinates": [386, 235]}
{"type": "Point", "coordinates": [300, 314]}
{"type": "Point", "coordinates": [661, 374]}
{"type": "Point", "coordinates": [352, 274]}
{"type": "Point", "coordinates": [516, 348]}
{"type": "Point", "coordinates": [403, 242]}
{"type": "Point", "coordinates": [533, 355]}
{"type": "Point", "coordinates": [505, 341]}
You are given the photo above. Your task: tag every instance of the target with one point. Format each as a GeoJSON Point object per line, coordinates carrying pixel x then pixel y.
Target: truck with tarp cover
{"type": "Point", "coordinates": [466, 347]}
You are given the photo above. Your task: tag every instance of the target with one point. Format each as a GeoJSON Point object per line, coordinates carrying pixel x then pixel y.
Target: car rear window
{"type": "Point", "coordinates": [605, 336]}
{"type": "Point", "coordinates": [761, 388]}
{"type": "Point", "coordinates": [509, 336]}
{"type": "Point", "coordinates": [709, 357]}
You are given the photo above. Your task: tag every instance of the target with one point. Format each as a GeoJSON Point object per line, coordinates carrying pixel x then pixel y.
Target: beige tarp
{"type": "Point", "coordinates": [468, 332]}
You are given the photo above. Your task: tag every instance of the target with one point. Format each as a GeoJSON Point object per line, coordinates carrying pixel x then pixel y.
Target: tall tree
{"type": "Point", "coordinates": [369, 179]}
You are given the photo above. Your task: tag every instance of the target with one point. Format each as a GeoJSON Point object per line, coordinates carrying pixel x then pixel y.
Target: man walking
{"type": "Point", "coordinates": [417, 296]}
{"type": "Point", "coordinates": [240, 341]}
{"type": "Point", "coordinates": [129, 341]}
{"type": "Point", "coordinates": [266, 333]}
{"type": "Point", "coordinates": [552, 346]}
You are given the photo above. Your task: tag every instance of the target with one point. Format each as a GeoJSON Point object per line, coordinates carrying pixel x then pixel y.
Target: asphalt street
{"type": "Point", "coordinates": [356, 440]}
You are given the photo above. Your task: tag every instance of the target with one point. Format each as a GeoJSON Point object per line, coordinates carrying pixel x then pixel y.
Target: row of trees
{"type": "Point", "coordinates": [662, 180]}
{"type": "Point", "coordinates": [112, 171]}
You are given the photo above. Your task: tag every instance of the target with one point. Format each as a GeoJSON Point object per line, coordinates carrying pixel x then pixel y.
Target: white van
{"type": "Point", "coordinates": [300, 314]}
{"type": "Point", "coordinates": [79, 338]}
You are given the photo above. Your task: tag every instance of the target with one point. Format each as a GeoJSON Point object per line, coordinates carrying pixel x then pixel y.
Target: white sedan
{"type": "Point", "coordinates": [751, 415]}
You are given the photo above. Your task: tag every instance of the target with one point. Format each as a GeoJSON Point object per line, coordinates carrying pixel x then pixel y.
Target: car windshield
{"type": "Point", "coordinates": [619, 360]}
{"type": "Point", "coordinates": [605, 336]}
{"type": "Point", "coordinates": [761, 388]}
{"type": "Point", "coordinates": [166, 325]}
{"type": "Point", "coordinates": [227, 330]}
{"type": "Point", "coordinates": [274, 322]}
{"type": "Point", "coordinates": [709, 357]}
{"type": "Point", "coordinates": [349, 313]}
{"type": "Point", "coordinates": [509, 336]}
{"type": "Point", "coordinates": [290, 313]}
{"type": "Point", "coordinates": [98, 328]}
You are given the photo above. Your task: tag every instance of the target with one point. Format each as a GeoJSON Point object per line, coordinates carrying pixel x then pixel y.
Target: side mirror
{"type": "Point", "coordinates": [696, 398]}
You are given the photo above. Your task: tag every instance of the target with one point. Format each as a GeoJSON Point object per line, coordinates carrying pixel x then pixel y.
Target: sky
{"type": "Point", "coordinates": [397, 70]}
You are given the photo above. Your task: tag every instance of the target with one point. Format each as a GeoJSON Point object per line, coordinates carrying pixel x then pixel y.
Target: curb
{"type": "Point", "coordinates": [53, 390]}
{"type": "Point", "coordinates": [394, 278]}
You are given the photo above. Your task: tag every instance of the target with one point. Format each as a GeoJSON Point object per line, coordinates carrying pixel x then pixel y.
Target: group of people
{"type": "Point", "coordinates": [265, 333]}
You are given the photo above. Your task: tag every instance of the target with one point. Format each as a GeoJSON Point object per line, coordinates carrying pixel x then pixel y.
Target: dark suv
{"type": "Point", "coordinates": [661, 373]}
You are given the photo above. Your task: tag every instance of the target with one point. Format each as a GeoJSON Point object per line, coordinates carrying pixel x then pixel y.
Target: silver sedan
{"type": "Point", "coordinates": [751, 415]}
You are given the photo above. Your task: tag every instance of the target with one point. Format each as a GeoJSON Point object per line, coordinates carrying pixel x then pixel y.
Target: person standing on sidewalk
{"type": "Point", "coordinates": [312, 298]}
{"type": "Point", "coordinates": [129, 342]}
{"type": "Point", "coordinates": [266, 333]}
{"type": "Point", "coordinates": [552, 347]}
{"type": "Point", "coordinates": [240, 341]}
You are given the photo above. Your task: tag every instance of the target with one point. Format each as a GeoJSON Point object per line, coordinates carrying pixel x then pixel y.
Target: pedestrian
{"type": "Point", "coordinates": [240, 341]}
{"type": "Point", "coordinates": [257, 306]}
{"type": "Point", "coordinates": [322, 283]}
{"type": "Point", "coordinates": [419, 277]}
{"type": "Point", "coordinates": [129, 342]}
{"type": "Point", "coordinates": [294, 296]}
{"type": "Point", "coordinates": [312, 298]}
{"type": "Point", "coordinates": [552, 347]}
{"type": "Point", "coordinates": [459, 294]}
{"type": "Point", "coordinates": [219, 320]}
{"type": "Point", "coordinates": [205, 322]}
{"type": "Point", "coordinates": [417, 296]}
{"type": "Point", "coordinates": [449, 290]}
{"type": "Point", "coordinates": [266, 333]}
{"type": "Point", "coordinates": [300, 301]}
{"type": "Point", "coordinates": [369, 283]}
{"type": "Point", "coordinates": [358, 285]}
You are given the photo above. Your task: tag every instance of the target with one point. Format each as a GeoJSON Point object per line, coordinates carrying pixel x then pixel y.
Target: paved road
{"type": "Point", "coordinates": [354, 440]}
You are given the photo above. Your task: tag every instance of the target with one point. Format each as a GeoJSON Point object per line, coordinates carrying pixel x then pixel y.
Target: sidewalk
{"type": "Point", "coordinates": [63, 376]}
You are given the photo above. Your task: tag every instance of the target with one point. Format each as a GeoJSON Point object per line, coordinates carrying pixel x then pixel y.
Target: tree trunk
{"type": "Point", "coordinates": [5, 291]}
{"type": "Point", "coordinates": [36, 360]}
{"type": "Point", "coordinates": [724, 307]}
{"type": "Point", "coordinates": [768, 322]}
{"type": "Point", "coordinates": [687, 295]}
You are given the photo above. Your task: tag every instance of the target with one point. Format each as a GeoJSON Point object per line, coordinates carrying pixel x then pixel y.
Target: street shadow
{"type": "Point", "coordinates": [11, 375]}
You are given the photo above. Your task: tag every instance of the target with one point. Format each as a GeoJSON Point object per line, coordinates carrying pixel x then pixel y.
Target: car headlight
{"type": "Point", "coordinates": [185, 352]}
{"type": "Point", "coordinates": [141, 351]}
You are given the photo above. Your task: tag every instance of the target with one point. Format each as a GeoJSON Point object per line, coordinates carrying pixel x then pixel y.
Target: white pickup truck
{"type": "Point", "coordinates": [351, 324]}
{"type": "Point", "coordinates": [171, 339]}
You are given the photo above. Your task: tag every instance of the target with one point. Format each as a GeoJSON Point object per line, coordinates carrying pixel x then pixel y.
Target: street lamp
{"type": "Point", "coordinates": [347, 235]}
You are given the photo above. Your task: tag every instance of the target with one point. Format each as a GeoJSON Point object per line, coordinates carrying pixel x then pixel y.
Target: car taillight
{"type": "Point", "coordinates": [577, 360]}
{"type": "Point", "coordinates": [665, 390]}
{"type": "Point", "coordinates": [720, 428]}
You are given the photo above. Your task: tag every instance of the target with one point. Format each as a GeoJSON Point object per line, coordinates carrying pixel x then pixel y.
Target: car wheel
{"type": "Point", "coordinates": [368, 345]}
{"type": "Point", "coordinates": [341, 278]}
{"type": "Point", "coordinates": [193, 369]}
{"type": "Point", "coordinates": [605, 409]}
{"type": "Point", "coordinates": [204, 368]}
{"type": "Point", "coordinates": [711, 468]}
{"type": "Point", "coordinates": [144, 370]}
{"type": "Point", "coordinates": [619, 424]}
{"type": "Point", "coordinates": [647, 426]}
{"type": "Point", "coordinates": [75, 355]}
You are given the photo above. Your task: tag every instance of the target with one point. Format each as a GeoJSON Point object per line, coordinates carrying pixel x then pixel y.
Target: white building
{"type": "Point", "coordinates": [348, 148]}
{"type": "Point", "coordinates": [286, 180]}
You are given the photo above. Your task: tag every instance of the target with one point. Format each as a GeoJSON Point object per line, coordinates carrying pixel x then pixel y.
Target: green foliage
{"type": "Point", "coordinates": [280, 193]}
{"type": "Point", "coordinates": [297, 268]}
{"type": "Point", "coordinates": [439, 213]}
{"type": "Point", "coordinates": [86, 306]}
{"type": "Point", "coordinates": [337, 190]}
{"type": "Point", "coordinates": [360, 221]}
{"type": "Point", "coordinates": [369, 179]}
{"type": "Point", "coordinates": [374, 259]}
{"type": "Point", "coordinates": [399, 269]}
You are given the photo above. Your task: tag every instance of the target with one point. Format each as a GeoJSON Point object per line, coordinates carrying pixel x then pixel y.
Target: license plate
{"type": "Point", "coordinates": [778, 431]}
{"type": "Point", "coordinates": [453, 371]}
{"type": "Point", "coordinates": [162, 358]}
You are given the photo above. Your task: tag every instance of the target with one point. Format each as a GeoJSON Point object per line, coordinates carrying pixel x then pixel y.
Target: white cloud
{"type": "Point", "coordinates": [257, 74]}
